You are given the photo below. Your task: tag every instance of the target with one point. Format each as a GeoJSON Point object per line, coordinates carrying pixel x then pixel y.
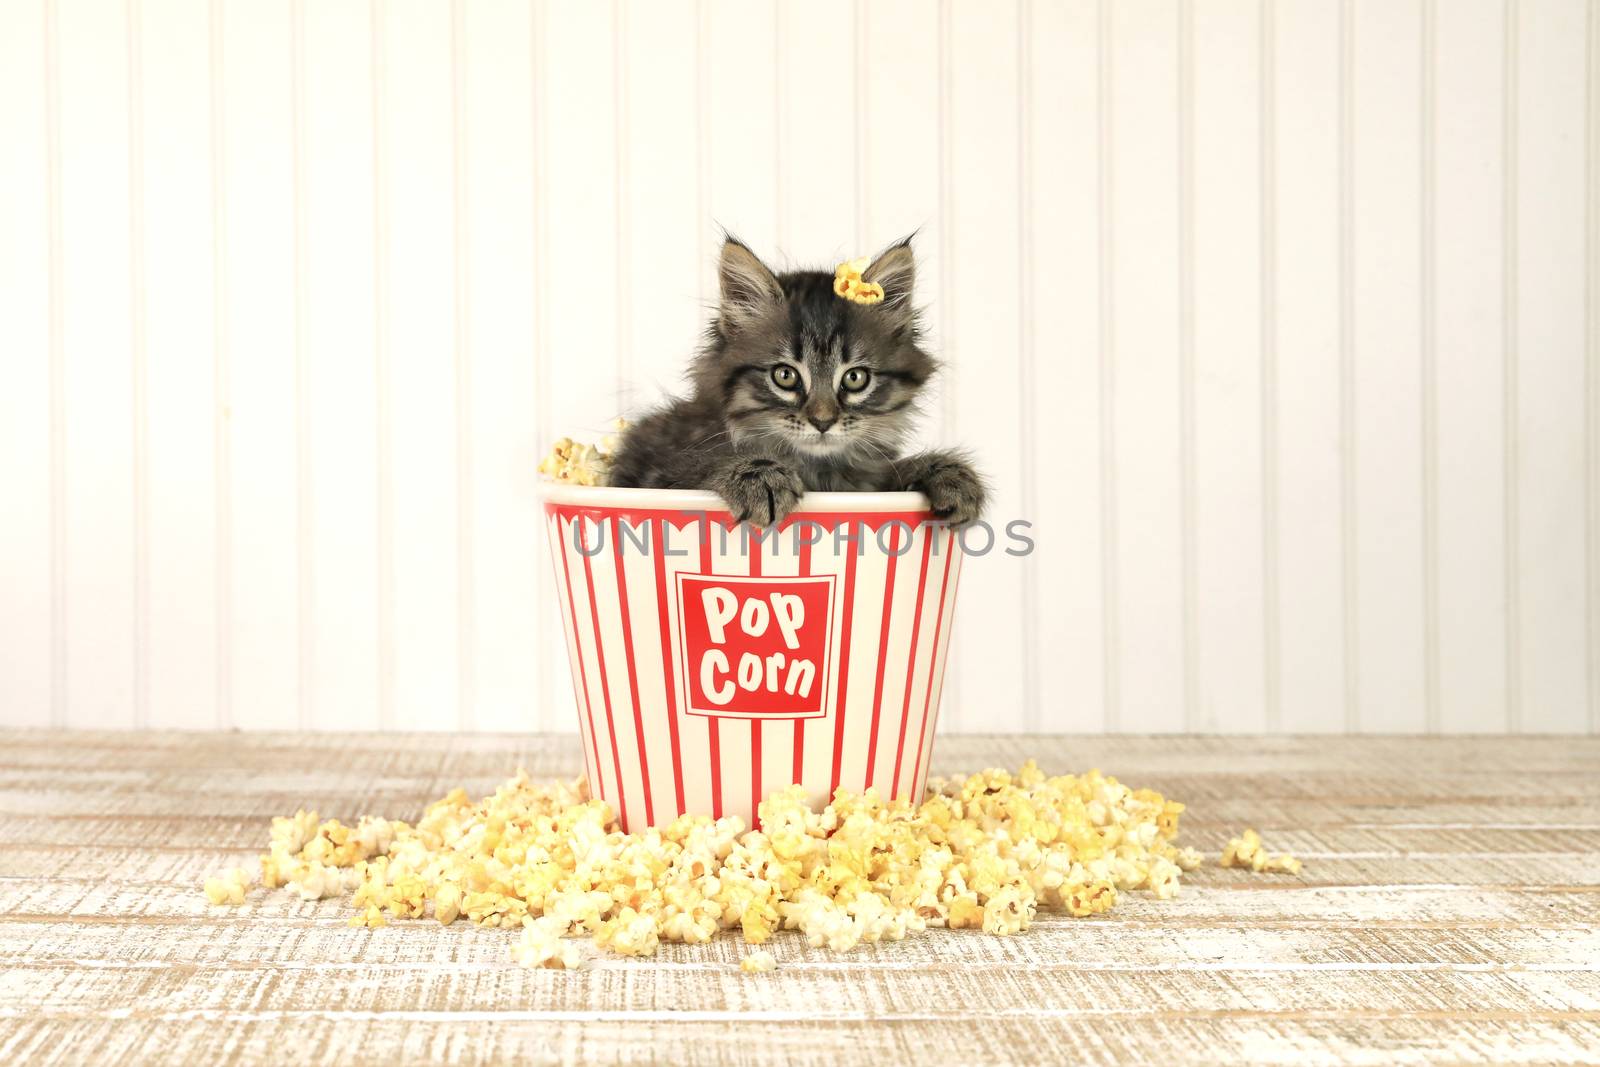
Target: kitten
{"type": "Point", "coordinates": [798, 389]}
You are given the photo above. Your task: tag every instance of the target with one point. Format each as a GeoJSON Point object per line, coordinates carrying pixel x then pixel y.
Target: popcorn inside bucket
{"type": "Point", "coordinates": [578, 463]}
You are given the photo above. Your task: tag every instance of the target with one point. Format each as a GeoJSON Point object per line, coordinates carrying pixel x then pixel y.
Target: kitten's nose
{"type": "Point", "coordinates": [822, 424]}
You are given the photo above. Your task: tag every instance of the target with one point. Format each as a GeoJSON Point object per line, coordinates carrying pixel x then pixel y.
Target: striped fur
{"type": "Point", "coordinates": [797, 389]}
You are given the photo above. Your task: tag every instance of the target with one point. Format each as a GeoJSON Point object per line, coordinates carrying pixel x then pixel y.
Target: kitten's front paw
{"type": "Point", "coordinates": [954, 489]}
{"type": "Point", "coordinates": [760, 491]}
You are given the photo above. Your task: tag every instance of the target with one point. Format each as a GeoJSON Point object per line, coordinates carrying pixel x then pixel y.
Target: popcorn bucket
{"type": "Point", "coordinates": [714, 663]}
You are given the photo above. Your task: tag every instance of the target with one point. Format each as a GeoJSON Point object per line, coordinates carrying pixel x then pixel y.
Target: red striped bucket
{"type": "Point", "coordinates": [713, 663]}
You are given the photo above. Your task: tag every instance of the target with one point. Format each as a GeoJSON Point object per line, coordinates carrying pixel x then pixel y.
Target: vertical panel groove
{"type": "Point", "coordinates": [381, 369]}
{"type": "Point", "coordinates": [1508, 392]}
{"type": "Point", "coordinates": [858, 68]}
{"type": "Point", "coordinates": [302, 381]}
{"type": "Point", "coordinates": [947, 219]}
{"type": "Point", "coordinates": [1188, 489]}
{"type": "Point", "coordinates": [947, 289]}
{"type": "Point", "coordinates": [538, 303]}
{"type": "Point", "coordinates": [1105, 119]}
{"type": "Point", "coordinates": [1430, 373]}
{"type": "Point", "coordinates": [138, 307]}
{"type": "Point", "coordinates": [1348, 518]}
{"type": "Point", "coordinates": [58, 393]}
{"type": "Point", "coordinates": [621, 189]}
{"type": "Point", "coordinates": [702, 139]}
{"type": "Point", "coordinates": [1268, 165]}
{"type": "Point", "coordinates": [780, 129]}
{"type": "Point", "coordinates": [222, 437]}
{"type": "Point", "coordinates": [1591, 363]}
{"type": "Point", "coordinates": [466, 619]}
{"type": "Point", "coordinates": [1027, 397]}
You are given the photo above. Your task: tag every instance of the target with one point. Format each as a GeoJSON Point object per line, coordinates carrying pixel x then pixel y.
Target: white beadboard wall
{"type": "Point", "coordinates": [1280, 319]}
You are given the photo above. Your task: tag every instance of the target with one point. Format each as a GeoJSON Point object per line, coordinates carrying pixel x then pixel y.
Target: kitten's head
{"type": "Point", "coordinates": [796, 367]}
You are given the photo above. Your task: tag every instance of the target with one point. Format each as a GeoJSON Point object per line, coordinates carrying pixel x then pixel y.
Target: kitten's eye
{"type": "Point", "coordinates": [856, 379]}
{"type": "Point", "coordinates": [785, 376]}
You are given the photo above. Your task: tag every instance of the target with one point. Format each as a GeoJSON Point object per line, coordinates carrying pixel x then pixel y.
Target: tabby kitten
{"type": "Point", "coordinates": [798, 389]}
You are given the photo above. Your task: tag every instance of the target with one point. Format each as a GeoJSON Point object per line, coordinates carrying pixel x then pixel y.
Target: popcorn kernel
{"type": "Point", "coordinates": [1246, 851]}
{"type": "Point", "coordinates": [582, 464]}
{"type": "Point", "coordinates": [758, 962]}
{"type": "Point", "coordinates": [229, 888]}
{"type": "Point", "coordinates": [848, 283]}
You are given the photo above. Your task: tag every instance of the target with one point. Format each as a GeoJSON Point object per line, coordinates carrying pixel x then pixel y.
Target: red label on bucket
{"type": "Point", "coordinates": [755, 648]}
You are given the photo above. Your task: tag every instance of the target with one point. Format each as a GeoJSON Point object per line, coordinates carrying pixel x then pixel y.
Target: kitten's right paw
{"type": "Point", "coordinates": [760, 491]}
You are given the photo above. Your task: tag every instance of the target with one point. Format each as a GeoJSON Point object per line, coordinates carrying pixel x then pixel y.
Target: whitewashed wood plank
{"type": "Point", "coordinates": [665, 237]}
{"type": "Point", "coordinates": [406, 948]}
{"type": "Point", "coordinates": [902, 181]}
{"type": "Point", "coordinates": [97, 372]}
{"type": "Point", "coordinates": [1307, 345]}
{"type": "Point", "coordinates": [989, 639]}
{"type": "Point", "coordinates": [1064, 322]}
{"type": "Point", "coordinates": [1199, 752]}
{"type": "Point", "coordinates": [1383, 767]}
{"type": "Point", "coordinates": [579, 81]}
{"type": "Point", "coordinates": [822, 110]}
{"type": "Point", "coordinates": [507, 522]}
{"type": "Point", "coordinates": [1377, 1042]}
{"type": "Point", "coordinates": [261, 404]}
{"type": "Point", "coordinates": [1225, 278]}
{"type": "Point", "coordinates": [1431, 853]}
{"type": "Point", "coordinates": [1281, 771]}
{"type": "Point", "coordinates": [928, 994]}
{"type": "Point", "coordinates": [180, 415]}
{"type": "Point", "coordinates": [1468, 329]}
{"type": "Point", "coordinates": [1259, 901]}
{"type": "Point", "coordinates": [1592, 169]}
{"type": "Point", "coordinates": [1222, 804]}
{"type": "Point", "coordinates": [415, 200]}
{"type": "Point", "coordinates": [383, 548]}
{"type": "Point", "coordinates": [553, 679]}
{"type": "Point", "coordinates": [1144, 146]}
{"type": "Point", "coordinates": [738, 93]}
{"type": "Point", "coordinates": [467, 665]}
{"type": "Point", "coordinates": [1385, 99]}
{"type": "Point", "coordinates": [1549, 396]}
{"type": "Point", "coordinates": [899, 168]}
{"type": "Point", "coordinates": [1219, 807]}
{"type": "Point", "coordinates": [27, 273]}
{"type": "Point", "coordinates": [1592, 356]}
{"type": "Point", "coordinates": [1271, 522]}
{"type": "Point", "coordinates": [341, 413]}
{"type": "Point", "coordinates": [1550, 872]}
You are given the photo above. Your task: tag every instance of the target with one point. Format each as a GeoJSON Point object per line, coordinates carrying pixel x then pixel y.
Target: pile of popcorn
{"type": "Point", "coordinates": [984, 851]}
{"type": "Point", "coordinates": [579, 463]}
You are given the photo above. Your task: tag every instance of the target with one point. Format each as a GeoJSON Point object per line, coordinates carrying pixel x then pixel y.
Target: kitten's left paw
{"type": "Point", "coordinates": [759, 490]}
{"type": "Point", "coordinates": [954, 489]}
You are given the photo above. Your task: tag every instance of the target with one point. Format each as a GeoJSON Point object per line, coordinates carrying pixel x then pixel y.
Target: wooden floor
{"type": "Point", "coordinates": [1449, 913]}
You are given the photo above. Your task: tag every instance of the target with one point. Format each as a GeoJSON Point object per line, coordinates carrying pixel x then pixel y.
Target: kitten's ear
{"type": "Point", "coordinates": [749, 288]}
{"type": "Point", "coordinates": [896, 270]}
